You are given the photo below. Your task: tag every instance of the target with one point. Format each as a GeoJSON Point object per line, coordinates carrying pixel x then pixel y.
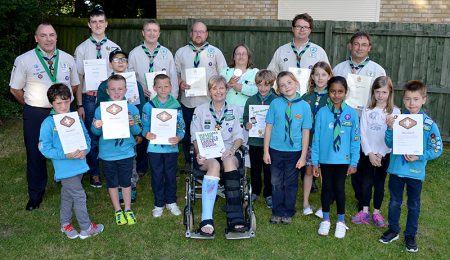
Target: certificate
{"type": "Point", "coordinates": [94, 73]}
{"type": "Point", "coordinates": [115, 119]}
{"type": "Point", "coordinates": [132, 94]}
{"type": "Point", "coordinates": [196, 78]}
{"type": "Point", "coordinates": [163, 125]}
{"type": "Point", "coordinates": [149, 79]}
{"type": "Point", "coordinates": [358, 90]}
{"type": "Point", "coordinates": [408, 134]}
{"type": "Point", "coordinates": [257, 117]}
{"type": "Point", "coordinates": [70, 132]}
{"type": "Point", "coordinates": [210, 144]}
{"type": "Point", "coordinates": [302, 75]}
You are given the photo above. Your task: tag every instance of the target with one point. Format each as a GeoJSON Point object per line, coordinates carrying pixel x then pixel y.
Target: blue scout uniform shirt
{"type": "Point", "coordinates": [322, 147]}
{"type": "Point", "coordinates": [302, 119]}
{"type": "Point", "coordinates": [50, 146]}
{"type": "Point", "coordinates": [118, 149]}
{"type": "Point", "coordinates": [146, 126]}
{"type": "Point", "coordinates": [432, 149]}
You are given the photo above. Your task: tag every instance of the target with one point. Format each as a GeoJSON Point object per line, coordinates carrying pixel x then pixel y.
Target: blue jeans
{"type": "Point", "coordinates": [89, 112]}
{"type": "Point", "coordinates": [413, 190]}
{"type": "Point", "coordinates": [284, 181]}
{"type": "Point", "coordinates": [163, 167]}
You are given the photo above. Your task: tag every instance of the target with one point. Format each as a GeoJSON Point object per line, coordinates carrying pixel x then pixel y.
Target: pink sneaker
{"type": "Point", "coordinates": [378, 220]}
{"type": "Point", "coordinates": [361, 218]}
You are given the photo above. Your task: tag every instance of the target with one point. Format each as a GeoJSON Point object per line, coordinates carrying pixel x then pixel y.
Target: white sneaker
{"type": "Point", "coordinates": [341, 228]}
{"type": "Point", "coordinates": [319, 213]}
{"type": "Point", "coordinates": [324, 228]}
{"type": "Point", "coordinates": [173, 207]}
{"type": "Point", "coordinates": [307, 211]}
{"type": "Point", "coordinates": [157, 212]}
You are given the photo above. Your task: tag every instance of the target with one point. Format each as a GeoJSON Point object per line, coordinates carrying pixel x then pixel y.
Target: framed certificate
{"type": "Point", "coordinates": [302, 75]}
{"type": "Point", "coordinates": [132, 94]}
{"type": "Point", "coordinates": [257, 117]}
{"type": "Point", "coordinates": [115, 119]}
{"type": "Point", "coordinates": [210, 144]}
{"type": "Point", "coordinates": [70, 132]}
{"type": "Point", "coordinates": [94, 73]}
{"type": "Point", "coordinates": [358, 90]}
{"type": "Point", "coordinates": [408, 134]}
{"type": "Point", "coordinates": [196, 78]}
{"type": "Point", "coordinates": [149, 78]}
{"type": "Point", "coordinates": [163, 125]}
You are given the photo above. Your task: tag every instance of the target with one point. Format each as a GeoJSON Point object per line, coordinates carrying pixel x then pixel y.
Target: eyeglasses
{"type": "Point", "coordinates": [118, 60]}
{"type": "Point", "coordinates": [198, 32]}
{"type": "Point", "coordinates": [301, 28]}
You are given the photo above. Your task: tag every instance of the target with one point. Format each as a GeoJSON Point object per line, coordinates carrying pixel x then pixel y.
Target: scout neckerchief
{"type": "Point", "coordinates": [288, 117]}
{"type": "Point", "coordinates": [337, 124]}
{"type": "Point", "coordinates": [299, 54]}
{"type": "Point", "coordinates": [264, 99]}
{"type": "Point", "coordinates": [354, 67]}
{"type": "Point", "coordinates": [197, 52]}
{"type": "Point", "coordinates": [213, 113]}
{"type": "Point", "coordinates": [98, 45]}
{"type": "Point", "coordinates": [171, 102]}
{"type": "Point", "coordinates": [48, 64]}
{"type": "Point", "coordinates": [318, 96]}
{"type": "Point", "coordinates": [151, 56]}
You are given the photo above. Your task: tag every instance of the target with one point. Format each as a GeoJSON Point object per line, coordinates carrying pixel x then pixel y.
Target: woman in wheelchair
{"type": "Point", "coordinates": [223, 117]}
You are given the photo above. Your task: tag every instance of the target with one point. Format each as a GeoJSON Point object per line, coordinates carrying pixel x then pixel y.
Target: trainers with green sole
{"type": "Point", "coordinates": [131, 219]}
{"type": "Point", "coordinates": [120, 218]}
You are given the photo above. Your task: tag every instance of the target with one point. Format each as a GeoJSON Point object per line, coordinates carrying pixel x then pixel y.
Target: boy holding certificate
{"type": "Point", "coordinates": [118, 154]}
{"type": "Point", "coordinates": [69, 167]}
{"type": "Point", "coordinates": [163, 157]}
{"type": "Point", "coordinates": [409, 170]}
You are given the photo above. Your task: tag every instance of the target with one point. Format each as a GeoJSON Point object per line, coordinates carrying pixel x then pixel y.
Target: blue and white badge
{"type": "Point", "coordinates": [331, 125]}
{"type": "Point", "coordinates": [66, 78]}
{"type": "Point", "coordinates": [313, 49]}
{"type": "Point", "coordinates": [65, 68]}
{"type": "Point", "coordinates": [164, 51]}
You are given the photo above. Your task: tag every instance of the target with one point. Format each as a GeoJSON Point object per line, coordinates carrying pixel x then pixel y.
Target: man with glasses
{"type": "Point", "coordinates": [33, 73]}
{"type": "Point", "coordinates": [197, 53]}
{"type": "Point", "coordinates": [301, 52]}
{"type": "Point", "coordinates": [97, 46]}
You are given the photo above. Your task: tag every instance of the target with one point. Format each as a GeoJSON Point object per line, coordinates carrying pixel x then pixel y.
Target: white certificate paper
{"type": "Point", "coordinates": [408, 134]}
{"type": "Point", "coordinates": [163, 125]}
{"type": "Point", "coordinates": [94, 73]}
{"type": "Point", "coordinates": [70, 132]}
{"type": "Point", "coordinates": [358, 90]}
{"type": "Point", "coordinates": [210, 144]}
{"type": "Point", "coordinates": [302, 75]}
{"type": "Point", "coordinates": [196, 78]}
{"type": "Point", "coordinates": [132, 94]}
{"type": "Point", "coordinates": [150, 78]}
{"type": "Point", "coordinates": [115, 119]}
{"type": "Point", "coordinates": [257, 117]}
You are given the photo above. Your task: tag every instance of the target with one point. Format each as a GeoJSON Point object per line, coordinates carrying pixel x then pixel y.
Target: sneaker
{"type": "Point", "coordinates": [378, 220]}
{"type": "Point", "coordinates": [275, 220]}
{"type": "Point", "coordinates": [324, 228]}
{"type": "Point", "coordinates": [121, 197]}
{"type": "Point", "coordinates": [133, 195]}
{"type": "Point", "coordinates": [319, 213]}
{"type": "Point", "coordinates": [307, 211]}
{"type": "Point", "coordinates": [410, 242]}
{"type": "Point", "coordinates": [157, 212]}
{"type": "Point", "coordinates": [341, 229]}
{"type": "Point", "coordinates": [269, 202]}
{"type": "Point", "coordinates": [388, 236]}
{"type": "Point", "coordinates": [120, 218]}
{"type": "Point", "coordinates": [70, 231]}
{"type": "Point", "coordinates": [361, 218]}
{"type": "Point", "coordinates": [93, 230]}
{"type": "Point", "coordinates": [286, 220]}
{"type": "Point", "coordinates": [174, 209]}
{"type": "Point", "coordinates": [254, 197]}
{"type": "Point", "coordinates": [95, 182]}
{"type": "Point", "coordinates": [129, 215]}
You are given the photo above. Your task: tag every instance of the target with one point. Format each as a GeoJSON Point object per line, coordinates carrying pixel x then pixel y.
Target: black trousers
{"type": "Point", "coordinates": [357, 183]}
{"type": "Point", "coordinates": [333, 183]}
{"type": "Point", "coordinates": [373, 177]}
{"type": "Point", "coordinates": [187, 117]}
{"type": "Point", "coordinates": [257, 163]}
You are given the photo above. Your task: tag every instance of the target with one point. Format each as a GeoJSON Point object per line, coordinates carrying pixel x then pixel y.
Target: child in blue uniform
{"type": "Point", "coordinates": [336, 148]}
{"type": "Point", "coordinates": [163, 158]}
{"type": "Point", "coordinates": [286, 139]}
{"type": "Point", "coordinates": [69, 168]}
{"type": "Point", "coordinates": [118, 154]}
{"type": "Point", "coordinates": [409, 170]}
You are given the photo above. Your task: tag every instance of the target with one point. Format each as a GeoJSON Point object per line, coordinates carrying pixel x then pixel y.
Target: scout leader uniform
{"type": "Point", "coordinates": [366, 68]}
{"type": "Point", "coordinates": [142, 60]}
{"type": "Point", "coordinates": [289, 56]}
{"type": "Point", "coordinates": [35, 73]}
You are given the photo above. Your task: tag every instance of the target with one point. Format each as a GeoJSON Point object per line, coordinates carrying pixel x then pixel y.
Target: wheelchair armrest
{"type": "Point", "coordinates": [243, 149]}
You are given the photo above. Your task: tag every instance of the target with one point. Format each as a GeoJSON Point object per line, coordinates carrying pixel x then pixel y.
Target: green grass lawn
{"type": "Point", "coordinates": [36, 234]}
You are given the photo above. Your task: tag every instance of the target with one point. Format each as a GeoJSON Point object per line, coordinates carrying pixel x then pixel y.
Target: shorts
{"type": "Point", "coordinates": [118, 173]}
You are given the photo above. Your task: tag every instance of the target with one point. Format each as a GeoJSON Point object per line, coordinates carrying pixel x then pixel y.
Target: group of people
{"type": "Point", "coordinates": [317, 133]}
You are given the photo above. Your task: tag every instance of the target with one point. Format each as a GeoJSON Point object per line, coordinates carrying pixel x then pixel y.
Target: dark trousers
{"type": "Point", "coordinates": [142, 157]}
{"type": "Point", "coordinates": [284, 182]}
{"type": "Point", "coordinates": [36, 162]}
{"type": "Point", "coordinates": [413, 191]}
{"type": "Point", "coordinates": [333, 183]}
{"type": "Point", "coordinates": [357, 183]}
{"type": "Point", "coordinates": [256, 161]}
{"type": "Point", "coordinates": [373, 177]}
{"type": "Point", "coordinates": [89, 112]}
{"type": "Point", "coordinates": [187, 117]}
{"type": "Point", "coordinates": [163, 168]}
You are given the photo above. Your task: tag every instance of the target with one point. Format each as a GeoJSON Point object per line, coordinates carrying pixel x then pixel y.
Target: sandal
{"type": "Point", "coordinates": [209, 223]}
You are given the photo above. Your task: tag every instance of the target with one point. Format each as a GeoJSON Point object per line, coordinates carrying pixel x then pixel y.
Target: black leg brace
{"type": "Point", "coordinates": [233, 194]}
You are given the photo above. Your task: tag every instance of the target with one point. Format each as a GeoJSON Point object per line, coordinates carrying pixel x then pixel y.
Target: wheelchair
{"type": "Point", "coordinates": [194, 191]}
